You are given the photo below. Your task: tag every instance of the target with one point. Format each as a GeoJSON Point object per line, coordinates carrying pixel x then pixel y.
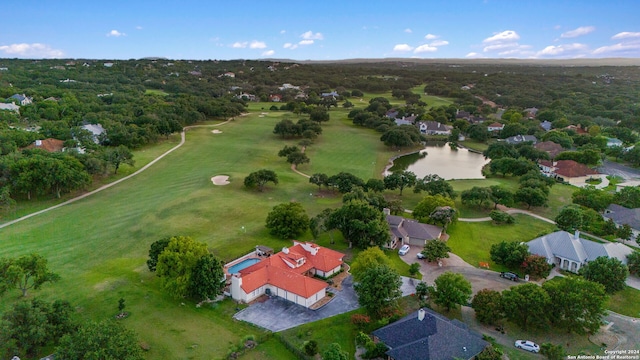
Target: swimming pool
{"type": "Point", "coordinates": [242, 264]}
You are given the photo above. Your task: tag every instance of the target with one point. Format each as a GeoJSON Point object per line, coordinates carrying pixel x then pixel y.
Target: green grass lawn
{"type": "Point", "coordinates": [155, 92]}
{"type": "Point", "coordinates": [625, 302]}
{"type": "Point", "coordinates": [472, 241]}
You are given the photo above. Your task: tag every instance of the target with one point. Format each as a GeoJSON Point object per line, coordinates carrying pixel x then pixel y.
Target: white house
{"type": "Point", "coordinates": [289, 275]}
{"type": "Point", "coordinates": [10, 107]}
{"type": "Point", "coordinates": [570, 252]}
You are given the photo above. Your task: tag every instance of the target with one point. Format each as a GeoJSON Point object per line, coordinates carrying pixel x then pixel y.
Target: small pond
{"type": "Point", "coordinates": [438, 158]}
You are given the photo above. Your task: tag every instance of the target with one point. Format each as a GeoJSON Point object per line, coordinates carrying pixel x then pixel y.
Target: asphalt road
{"type": "Point", "coordinates": [625, 172]}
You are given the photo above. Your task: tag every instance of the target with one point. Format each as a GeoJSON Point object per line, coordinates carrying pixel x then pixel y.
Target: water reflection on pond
{"type": "Point", "coordinates": [438, 158]}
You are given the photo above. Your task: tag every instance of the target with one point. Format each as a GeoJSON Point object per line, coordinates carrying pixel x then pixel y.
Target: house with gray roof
{"type": "Point", "coordinates": [10, 107]}
{"type": "Point", "coordinates": [570, 252]}
{"type": "Point", "coordinates": [411, 232]}
{"type": "Point", "coordinates": [427, 335]}
{"type": "Point", "coordinates": [622, 215]}
{"type": "Point", "coordinates": [519, 139]}
{"type": "Point", "coordinates": [96, 130]}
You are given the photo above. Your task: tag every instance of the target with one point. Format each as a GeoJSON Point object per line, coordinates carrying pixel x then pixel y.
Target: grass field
{"type": "Point", "coordinates": [472, 241]}
{"type": "Point", "coordinates": [625, 302]}
{"type": "Point", "coordinates": [99, 245]}
{"type": "Point", "coordinates": [155, 92]}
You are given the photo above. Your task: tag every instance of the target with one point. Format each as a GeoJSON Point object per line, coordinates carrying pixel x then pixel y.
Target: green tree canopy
{"type": "Point", "coordinates": [287, 220]}
{"type": "Point", "coordinates": [260, 178]}
{"type": "Point", "coordinates": [578, 305]}
{"type": "Point", "coordinates": [378, 289]}
{"type": "Point", "coordinates": [107, 340]}
{"type": "Point", "coordinates": [450, 290]}
{"type": "Point", "coordinates": [25, 272]}
{"type": "Point", "coordinates": [367, 259]}
{"type": "Point", "coordinates": [526, 305]}
{"type": "Point", "coordinates": [608, 271]}
{"type": "Point", "coordinates": [157, 247]}
{"type": "Point", "coordinates": [207, 278]}
{"type": "Point", "coordinates": [510, 254]}
{"type": "Point", "coordinates": [361, 224]}
{"type": "Point", "coordinates": [428, 204]}
{"type": "Point", "coordinates": [176, 263]}
{"type": "Point", "coordinates": [399, 180]}
{"type": "Point", "coordinates": [570, 218]}
{"type": "Point", "coordinates": [435, 250]}
{"type": "Point", "coordinates": [488, 306]}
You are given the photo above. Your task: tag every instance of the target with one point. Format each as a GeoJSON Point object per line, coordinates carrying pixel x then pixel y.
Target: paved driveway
{"type": "Point", "coordinates": [479, 278]}
{"type": "Point", "coordinates": [277, 314]}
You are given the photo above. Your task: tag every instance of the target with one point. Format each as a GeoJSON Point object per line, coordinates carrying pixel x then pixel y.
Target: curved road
{"type": "Point", "coordinates": [104, 187]}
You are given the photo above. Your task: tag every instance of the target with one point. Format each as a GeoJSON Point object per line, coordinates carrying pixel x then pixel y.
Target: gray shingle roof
{"type": "Point", "coordinates": [622, 215]}
{"type": "Point", "coordinates": [402, 227]}
{"type": "Point", "coordinates": [572, 247]}
{"type": "Point", "coordinates": [433, 338]}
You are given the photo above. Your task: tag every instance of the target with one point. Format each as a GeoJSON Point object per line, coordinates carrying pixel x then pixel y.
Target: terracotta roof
{"type": "Point", "coordinates": [570, 168]}
{"type": "Point", "coordinates": [496, 125]}
{"type": "Point", "coordinates": [282, 269]}
{"type": "Point", "coordinates": [50, 145]}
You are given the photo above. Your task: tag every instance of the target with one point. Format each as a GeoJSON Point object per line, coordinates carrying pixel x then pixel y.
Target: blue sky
{"type": "Point", "coordinates": [321, 30]}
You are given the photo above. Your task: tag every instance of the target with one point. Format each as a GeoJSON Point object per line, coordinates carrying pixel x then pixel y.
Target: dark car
{"type": "Point", "coordinates": [509, 276]}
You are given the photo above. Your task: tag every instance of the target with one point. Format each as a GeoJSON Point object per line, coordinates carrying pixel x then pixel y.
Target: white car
{"type": "Point", "coordinates": [403, 250]}
{"type": "Point", "coordinates": [527, 345]}
{"type": "Point", "coordinates": [421, 255]}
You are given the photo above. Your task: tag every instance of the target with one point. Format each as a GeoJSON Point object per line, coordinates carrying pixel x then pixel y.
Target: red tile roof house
{"type": "Point", "coordinates": [568, 171]}
{"type": "Point", "coordinates": [289, 275]}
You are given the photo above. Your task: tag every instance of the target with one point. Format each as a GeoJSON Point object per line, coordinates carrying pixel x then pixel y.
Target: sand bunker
{"type": "Point", "coordinates": [220, 180]}
{"type": "Point", "coordinates": [216, 131]}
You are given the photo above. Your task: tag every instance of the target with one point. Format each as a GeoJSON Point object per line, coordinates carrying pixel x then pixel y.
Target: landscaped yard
{"type": "Point", "coordinates": [472, 241]}
{"type": "Point", "coordinates": [625, 302]}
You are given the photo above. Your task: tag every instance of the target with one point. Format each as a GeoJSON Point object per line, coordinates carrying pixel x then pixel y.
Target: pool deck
{"type": "Point", "coordinates": [251, 255]}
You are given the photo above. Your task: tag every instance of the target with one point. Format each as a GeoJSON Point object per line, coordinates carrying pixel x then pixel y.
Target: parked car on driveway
{"type": "Point", "coordinates": [527, 345]}
{"type": "Point", "coordinates": [421, 255]}
{"type": "Point", "coordinates": [510, 276]}
{"type": "Point", "coordinates": [403, 250]}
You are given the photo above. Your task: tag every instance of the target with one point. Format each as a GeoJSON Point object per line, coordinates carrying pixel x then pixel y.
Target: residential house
{"type": "Point", "coordinates": [275, 98]}
{"type": "Point", "coordinates": [289, 275]}
{"type": "Point", "coordinates": [391, 114]}
{"type": "Point", "coordinates": [51, 98]}
{"type": "Point", "coordinates": [195, 73]}
{"type": "Point", "coordinates": [546, 125]}
{"type": "Point", "coordinates": [631, 183]}
{"type": "Point", "coordinates": [289, 86]}
{"type": "Point", "coordinates": [96, 129]}
{"type": "Point", "coordinates": [330, 95]}
{"type": "Point", "coordinates": [4, 68]}
{"type": "Point", "coordinates": [411, 232]}
{"type": "Point", "coordinates": [550, 148]}
{"type": "Point", "coordinates": [21, 99]}
{"type": "Point", "coordinates": [427, 335]}
{"type": "Point", "coordinates": [568, 171]}
{"type": "Point", "coordinates": [570, 252]}
{"type": "Point", "coordinates": [247, 97]}
{"type": "Point", "coordinates": [434, 128]}
{"type": "Point", "coordinates": [622, 215]}
{"type": "Point", "coordinates": [530, 113]}
{"type": "Point", "coordinates": [49, 145]}
{"type": "Point", "coordinates": [229, 74]}
{"type": "Point", "coordinates": [519, 139]}
{"type": "Point", "coordinates": [108, 64]}
{"type": "Point", "coordinates": [611, 142]}
{"type": "Point", "coordinates": [494, 127]}
{"type": "Point", "coordinates": [460, 114]}
{"type": "Point", "coordinates": [577, 128]}
{"type": "Point", "coordinates": [10, 107]}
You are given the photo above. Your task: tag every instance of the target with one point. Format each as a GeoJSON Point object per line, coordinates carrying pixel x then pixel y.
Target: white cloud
{"type": "Point", "coordinates": [425, 48]}
{"type": "Point", "coordinates": [138, 27]}
{"type": "Point", "coordinates": [290, 46]}
{"type": "Point", "coordinates": [617, 49]}
{"type": "Point", "coordinates": [268, 53]}
{"type": "Point", "coordinates": [239, 45]}
{"type": "Point", "coordinates": [626, 35]}
{"type": "Point", "coordinates": [408, 31]}
{"type": "Point", "coordinates": [553, 50]}
{"type": "Point", "coordinates": [115, 33]}
{"type": "Point", "coordinates": [431, 36]}
{"type": "Point", "coordinates": [257, 45]}
{"type": "Point", "coordinates": [496, 47]}
{"type": "Point", "coordinates": [35, 50]}
{"type": "Point", "coordinates": [309, 35]}
{"type": "Point", "coordinates": [305, 42]}
{"type": "Point", "coordinates": [582, 30]}
{"type": "Point", "coordinates": [402, 48]}
{"type": "Point", "coordinates": [473, 55]}
{"type": "Point", "coordinates": [283, 31]}
{"type": "Point", "coordinates": [502, 37]}
{"type": "Point", "coordinates": [557, 27]}
{"type": "Point", "coordinates": [439, 43]}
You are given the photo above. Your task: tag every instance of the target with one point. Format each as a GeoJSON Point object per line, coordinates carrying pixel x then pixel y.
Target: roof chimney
{"type": "Point", "coordinates": [285, 250]}
{"type": "Point", "coordinates": [421, 314]}
{"type": "Point", "coordinates": [577, 234]}
{"type": "Point", "coordinates": [386, 211]}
